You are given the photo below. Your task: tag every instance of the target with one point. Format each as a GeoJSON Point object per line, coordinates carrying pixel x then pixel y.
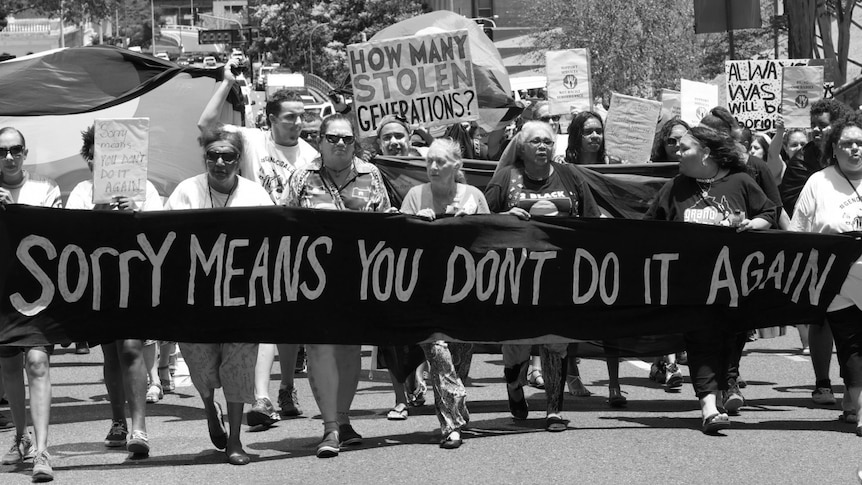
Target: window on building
{"type": "Point", "coordinates": [485, 8]}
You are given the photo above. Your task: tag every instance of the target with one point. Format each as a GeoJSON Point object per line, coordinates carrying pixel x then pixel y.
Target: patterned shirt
{"type": "Point", "coordinates": [311, 187]}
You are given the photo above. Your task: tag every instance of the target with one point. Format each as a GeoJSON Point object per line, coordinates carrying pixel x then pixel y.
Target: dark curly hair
{"type": "Point", "coordinates": [835, 108]}
{"type": "Point", "coordinates": [576, 133]}
{"type": "Point", "coordinates": [88, 136]}
{"type": "Point", "coordinates": [851, 118]}
{"type": "Point", "coordinates": [273, 106]}
{"type": "Point", "coordinates": [722, 148]}
{"type": "Point", "coordinates": [358, 149]}
{"type": "Point", "coordinates": [659, 150]}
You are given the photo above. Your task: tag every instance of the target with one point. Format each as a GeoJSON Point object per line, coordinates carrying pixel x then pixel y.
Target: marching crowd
{"type": "Point", "coordinates": [792, 180]}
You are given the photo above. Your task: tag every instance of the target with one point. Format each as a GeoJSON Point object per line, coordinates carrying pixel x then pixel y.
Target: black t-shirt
{"type": "Point", "coordinates": [683, 199]}
{"type": "Point", "coordinates": [802, 165]}
{"type": "Point", "coordinates": [563, 193]}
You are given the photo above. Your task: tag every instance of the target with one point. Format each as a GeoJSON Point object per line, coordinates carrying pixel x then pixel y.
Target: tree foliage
{"type": "Point", "coordinates": [639, 47]}
{"type": "Point", "coordinates": [291, 31]}
{"type": "Point", "coordinates": [73, 11]}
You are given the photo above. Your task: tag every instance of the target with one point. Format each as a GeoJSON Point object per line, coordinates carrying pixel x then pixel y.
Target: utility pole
{"type": "Point", "coordinates": [728, 17]}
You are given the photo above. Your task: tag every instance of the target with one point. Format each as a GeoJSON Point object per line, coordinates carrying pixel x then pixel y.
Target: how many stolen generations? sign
{"type": "Point", "coordinates": [280, 274]}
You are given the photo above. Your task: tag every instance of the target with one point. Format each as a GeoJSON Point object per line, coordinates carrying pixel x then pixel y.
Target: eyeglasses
{"type": "Point", "coordinates": [14, 150]}
{"type": "Point", "coordinates": [594, 131]}
{"type": "Point", "coordinates": [849, 144]}
{"type": "Point", "coordinates": [548, 119]}
{"type": "Point", "coordinates": [305, 135]}
{"type": "Point", "coordinates": [228, 158]}
{"type": "Point", "coordinates": [672, 142]}
{"type": "Point", "coordinates": [334, 139]}
{"type": "Point", "coordinates": [541, 141]}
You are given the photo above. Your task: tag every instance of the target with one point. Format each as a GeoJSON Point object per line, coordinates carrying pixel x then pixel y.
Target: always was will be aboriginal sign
{"type": "Point", "coordinates": [427, 79]}
{"type": "Point", "coordinates": [280, 274]}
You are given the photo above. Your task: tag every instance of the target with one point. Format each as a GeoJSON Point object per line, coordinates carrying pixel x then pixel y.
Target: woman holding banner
{"type": "Point", "coordinates": [536, 185]}
{"type": "Point", "coordinates": [829, 203]}
{"type": "Point", "coordinates": [449, 362]}
{"type": "Point", "coordinates": [226, 365]}
{"type": "Point", "coordinates": [337, 180]}
{"type": "Point", "coordinates": [712, 188]}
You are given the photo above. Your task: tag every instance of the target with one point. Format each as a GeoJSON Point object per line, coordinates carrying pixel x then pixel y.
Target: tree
{"type": "Point", "coordinates": [639, 47]}
{"type": "Point", "coordinates": [322, 28]}
{"type": "Point", "coordinates": [73, 11]}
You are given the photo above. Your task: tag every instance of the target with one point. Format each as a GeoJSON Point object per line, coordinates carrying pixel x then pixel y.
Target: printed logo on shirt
{"type": "Point", "coordinates": [710, 211]}
{"type": "Point", "coordinates": [361, 193]}
{"type": "Point", "coordinates": [553, 203]}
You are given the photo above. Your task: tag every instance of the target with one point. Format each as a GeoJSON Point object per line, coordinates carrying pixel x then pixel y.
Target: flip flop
{"type": "Point", "coordinates": [396, 414]}
{"type": "Point", "coordinates": [219, 440]}
{"type": "Point", "coordinates": [713, 423]}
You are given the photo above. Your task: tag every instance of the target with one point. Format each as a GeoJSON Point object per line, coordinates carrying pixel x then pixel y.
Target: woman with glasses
{"type": "Point", "coordinates": [830, 203]}
{"type": "Point", "coordinates": [665, 147]}
{"type": "Point", "coordinates": [712, 188]}
{"type": "Point", "coordinates": [536, 185]}
{"type": "Point", "coordinates": [226, 365]}
{"type": "Point", "coordinates": [337, 180]}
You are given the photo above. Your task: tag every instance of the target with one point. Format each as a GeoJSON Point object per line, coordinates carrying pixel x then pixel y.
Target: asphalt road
{"type": "Point", "coordinates": [781, 437]}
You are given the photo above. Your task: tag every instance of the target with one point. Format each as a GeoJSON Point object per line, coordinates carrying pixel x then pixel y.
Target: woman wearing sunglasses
{"type": "Point", "coordinates": [226, 365]}
{"type": "Point", "coordinates": [665, 147]}
{"type": "Point", "coordinates": [535, 185]}
{"type": "Point", "coordinates": [337, 180]}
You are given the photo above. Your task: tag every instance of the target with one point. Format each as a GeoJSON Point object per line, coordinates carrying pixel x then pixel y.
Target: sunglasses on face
{"type": "Point", "coordinates": [228, 158]}
{"type": "Point", "coordinates": [334, 139]}
{"type": "Point", "coordinates": [14, 150]}
{"type": "Point", "coordinates": [672, 142]}
{"type": "Point", "coordinates": [548, 119]}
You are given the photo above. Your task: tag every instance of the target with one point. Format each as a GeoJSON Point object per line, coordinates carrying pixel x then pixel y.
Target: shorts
{"type": "Point", "coordinates": [7, 351]}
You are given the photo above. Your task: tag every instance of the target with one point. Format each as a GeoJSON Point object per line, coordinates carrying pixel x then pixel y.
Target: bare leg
{"type": "Point", "coordinates": [150, 362]}
{"type": "Point", "coordinates": [13, 380]}
{"type": "Point", "coordinates": [324, 379]}
{"type": "Point", "coordinates": [114, 382]}
{"type": "Point", "coordinates": [263, 369]}
{"type": "Point", "coordinates": [820, 340]}
{"type": "Point", "coordinates": [803, 335]}
{"type": "Point", "coordinates": [234, 444]}
{"type": "Point", "coordinates": [39, 376]}
{"type": "Point", "coordinates": [287, 362]}
{"type": "Point", "coordinates": [349, 364]}
{"type": "Point", "coordinates": [134, 376]}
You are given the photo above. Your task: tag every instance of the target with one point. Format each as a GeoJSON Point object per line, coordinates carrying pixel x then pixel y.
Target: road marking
{"type": "Point", "coordinates": [639, 364]}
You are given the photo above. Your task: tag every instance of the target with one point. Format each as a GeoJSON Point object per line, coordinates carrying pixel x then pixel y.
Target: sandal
{"type": "Point", "coordinates": [555, 424]}
{"type": "Point", "coordinates": [450, 443]}
{"type": "Point", "coordinates": [616, 398]}
{"type": "Point", "coordinates": [713, 423]}
{"type": "Point", "coordinates": [576, 387]}
{"type": "Point", "coordinates": [155, 393]}
{"type": "Point", "coordinates": [167, 382]}
{"type": "Point", "coordinates": [398, 413]}
{"type": "Point", "coordinates": [218, 438]}
{"type": "Point", "coordinates": [535, 379]}
{"type": "Point", "coordinates": [417, 399]}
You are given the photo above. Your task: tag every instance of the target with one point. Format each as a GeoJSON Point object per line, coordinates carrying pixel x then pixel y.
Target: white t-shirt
{"type": "Point", "coordinates": [81, 197]}
{"type": "Point", "coordinates": [195, 193]}
{"type": "Point", "coordinates": [828, 204]}
{"type": "Point", "coordinates": [35, 190]}
{"type": "Point", "coordinates": [467, 198]}
{"type": "Point", "coordinates": [270, 164]}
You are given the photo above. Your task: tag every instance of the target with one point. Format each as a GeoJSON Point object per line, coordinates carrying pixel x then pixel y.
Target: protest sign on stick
{"type": "Point", "coordinates": [670, 104]}
{"type": "Point", "coordinates": [801, 87]}
{"type": "Point", "coordinates": [569, 80]}
{"type": "Point", "coordinates": [630, 128]}
{"type": "Point", "coordinates": [696, 100]}
{"type": "Point", "coordinates": [120, 158]}
{"type": "Point", "coordinates": [427, 79]}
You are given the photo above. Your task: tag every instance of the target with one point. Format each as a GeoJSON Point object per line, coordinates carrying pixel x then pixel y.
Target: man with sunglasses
{"type": "Point", "coordinates": [311, 129]}
{"type": "Point", "coordinates": [269, 157]}
{"type": "Point", "coordinates": [18, 186]}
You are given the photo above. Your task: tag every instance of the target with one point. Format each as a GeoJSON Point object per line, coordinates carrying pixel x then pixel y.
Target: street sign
{"type": "Point", "coordinates": [226, 36]}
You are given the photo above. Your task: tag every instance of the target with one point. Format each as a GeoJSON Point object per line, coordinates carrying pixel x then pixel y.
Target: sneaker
{"type": "Point", "coordinates": [673, 377]}
{"type": "Point", "coordinates": [348, 435]}
{"type": "Point", "coordinates": [138, 443]}
{"type": "Point", "coordinates": [262, 413]}
{"type": "Point", "coordinates": [657, 372]}
{"type": "Point", "coordinates": [81, 348]}
{"type": "Point", "coordinates": [288, 402]}
{"type": "Point", "coordinates": [22, 449]}
{"type": "Point", "coordinates": [42, 471]}
{"type": "Point", "coordinates": [117, 435]}
{"type": "Point", "coordinates": [329, 447]}
{"type": "Point", "coordinates": [733, 400]}
{"type": "Point", "coordinates": [5, 423]}
{"type": "Point", "coordinates": [823, 395]}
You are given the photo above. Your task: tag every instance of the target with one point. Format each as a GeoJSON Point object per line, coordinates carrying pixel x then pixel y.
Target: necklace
{"type": "Point", "coordinates": [210, 189]}
{"type": "Point", "coordinates": [706, 184]}
{"type": "Point", "coordinates": [849, 182]}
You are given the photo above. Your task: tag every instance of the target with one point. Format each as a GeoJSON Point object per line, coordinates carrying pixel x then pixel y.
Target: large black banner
{"type": "Point", "coordinates": [294, 275]}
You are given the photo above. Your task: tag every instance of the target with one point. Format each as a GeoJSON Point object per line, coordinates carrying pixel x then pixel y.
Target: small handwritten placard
{"type": "Point", "coordinates": [120, 159]}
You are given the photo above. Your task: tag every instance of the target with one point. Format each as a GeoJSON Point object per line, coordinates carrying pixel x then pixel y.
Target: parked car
{"type": "Point", "coordinates": [163, 55]}
{"type": "Point", "coordinates": [183, 60]}
{"type": "Point", "coordinates": [209, 61]}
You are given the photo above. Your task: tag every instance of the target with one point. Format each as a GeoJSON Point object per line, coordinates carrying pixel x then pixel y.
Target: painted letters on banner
{"type": "Point", "coordinates": [121, 154]}
{"type": "Point", "coordinates": [427, 79]}
{"type": "Point", "coordinates": [569, 80]}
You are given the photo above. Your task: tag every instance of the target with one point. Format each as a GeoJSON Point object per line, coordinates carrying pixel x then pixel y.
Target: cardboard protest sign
{"type": "Point", "coordinates": [630, 128]}
{"type": "Point", "coordinates": [754, 88]}
{"type": "Point", "coordinates": [670, 104]}
{"type": "Point", "coordinates": [427, 79]}
{"type": "Point", "coordinates": [569, 80]}
{"type": "Point", "coordinates": [121, 154]}
{"type": "Point", "coordinates": [696, 100]}
{"type": "Point", "coordinates": [801, 87]}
